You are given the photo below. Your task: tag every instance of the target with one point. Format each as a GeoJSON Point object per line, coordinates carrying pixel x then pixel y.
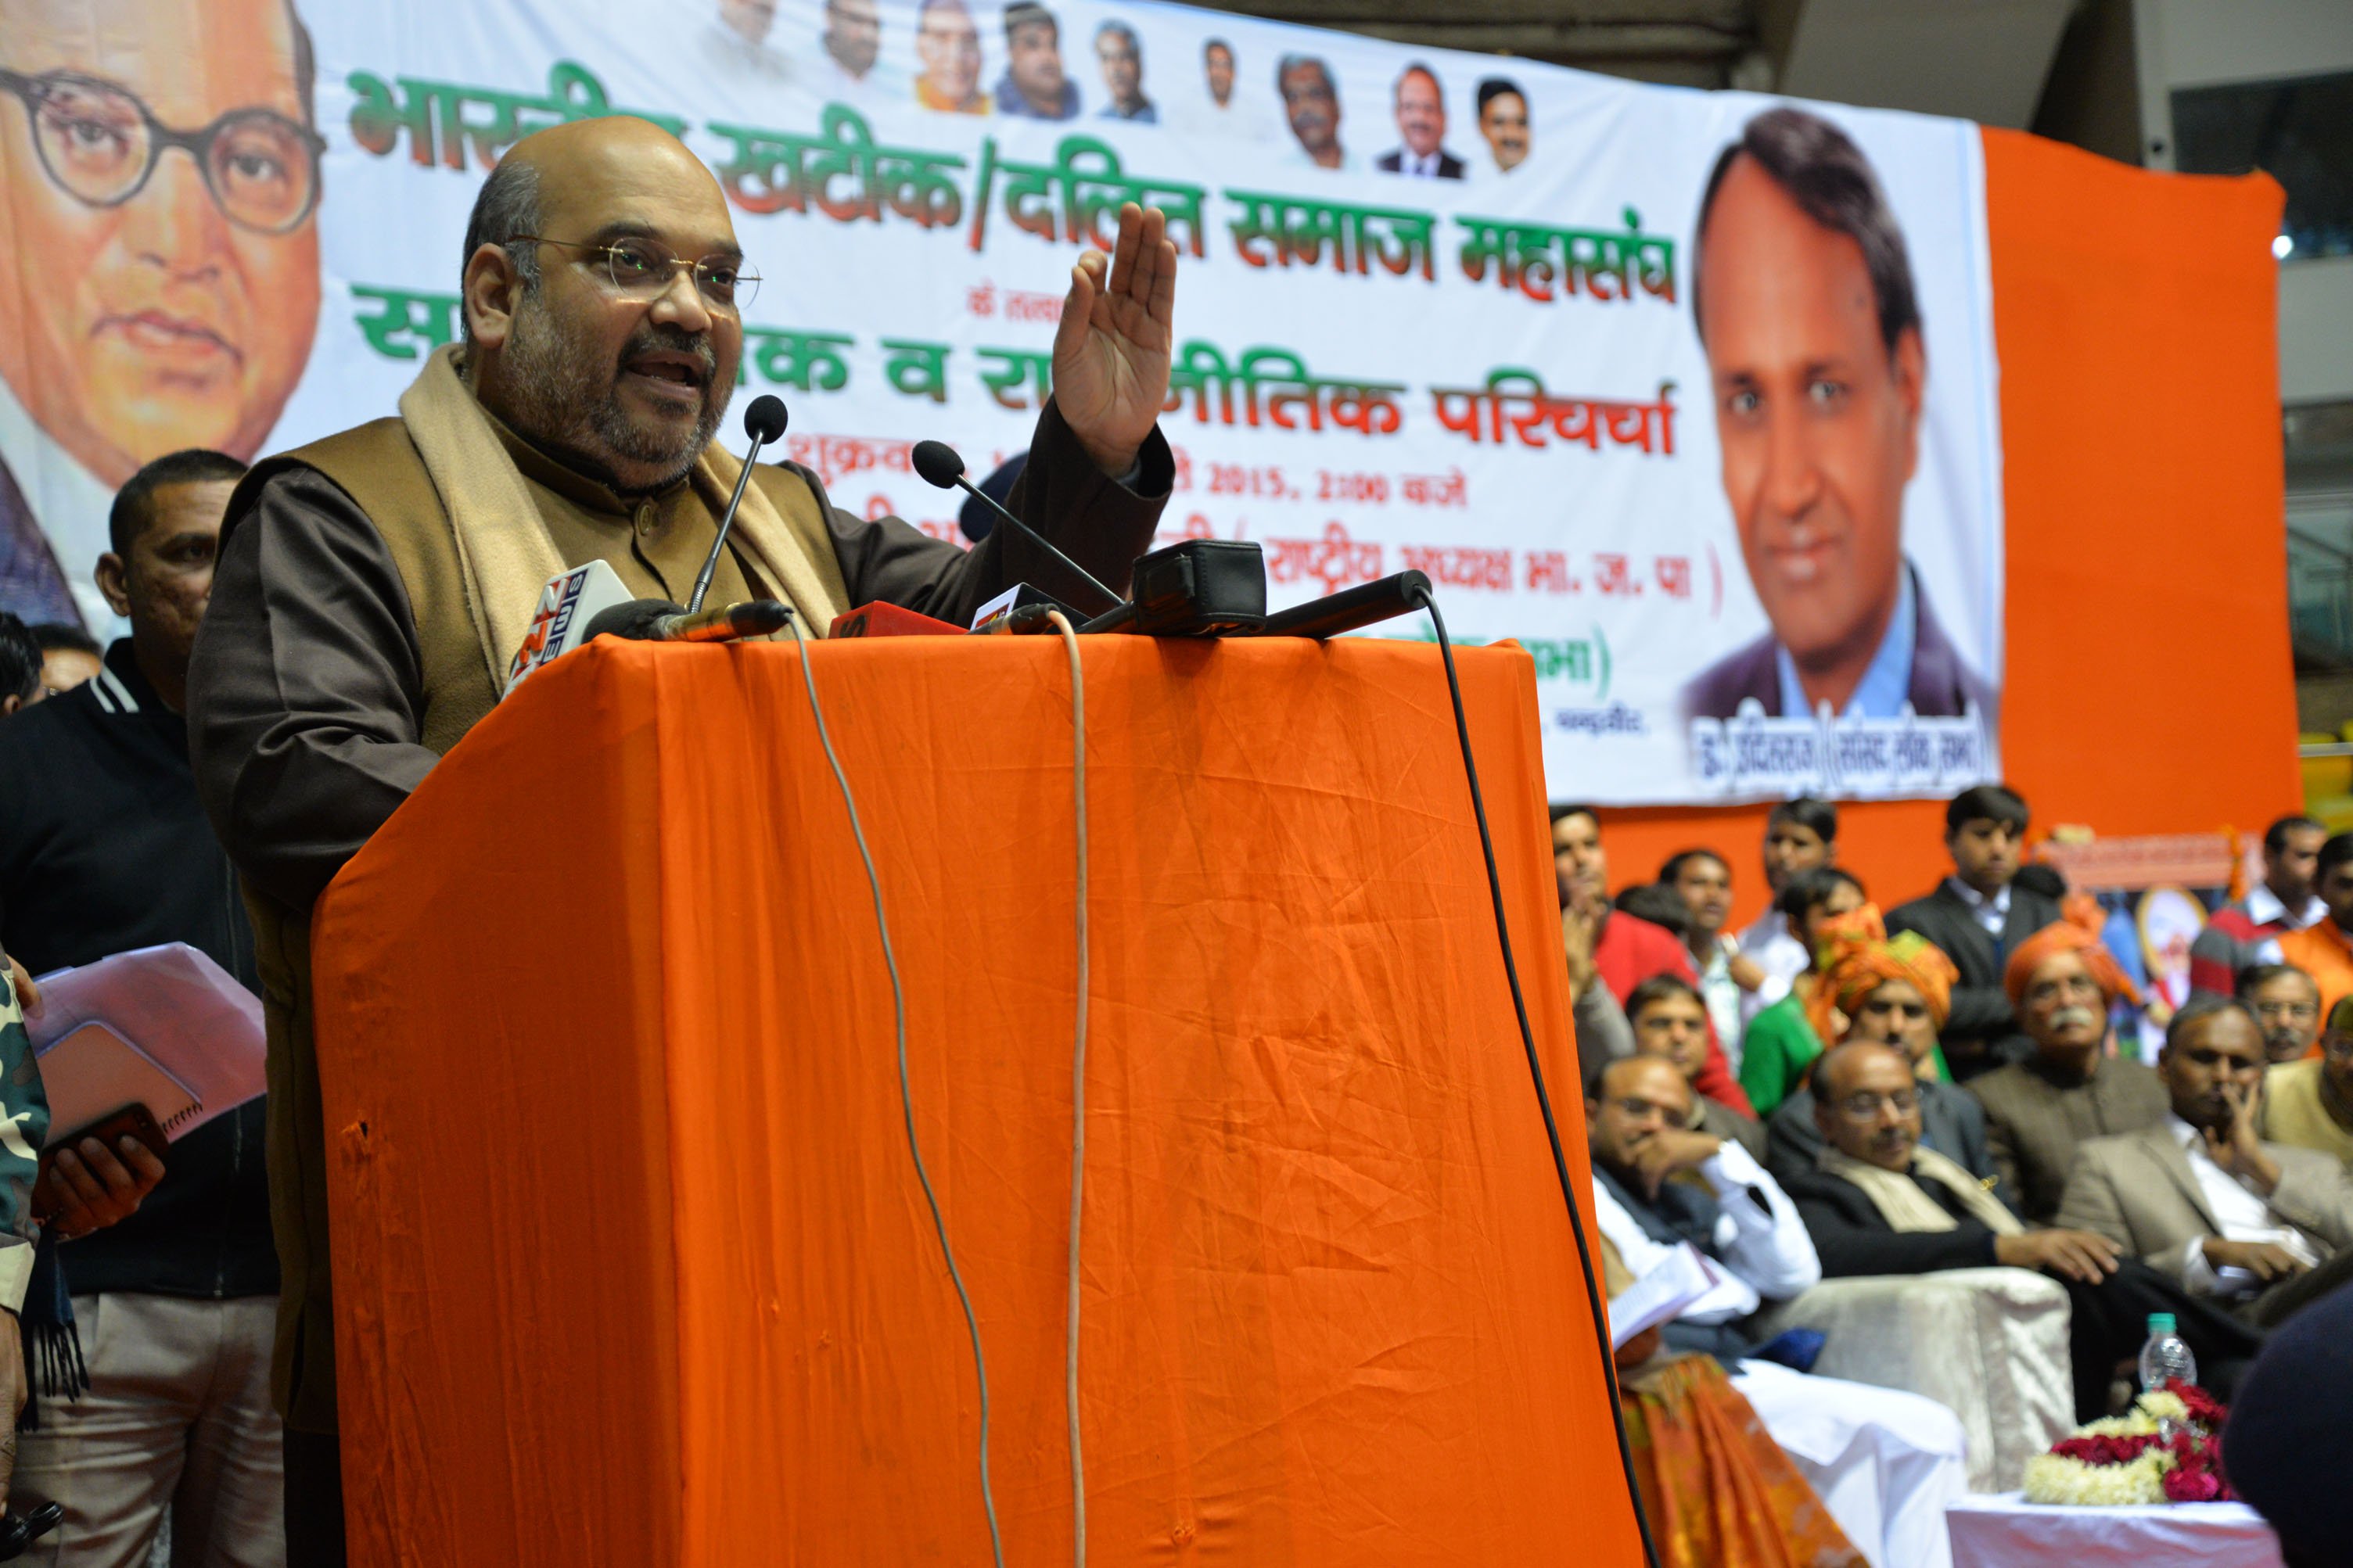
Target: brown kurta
{"type": "Point", "coordinates": [316, 705]}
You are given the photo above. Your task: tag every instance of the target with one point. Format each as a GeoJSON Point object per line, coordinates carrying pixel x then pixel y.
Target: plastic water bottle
{"type": "Point", "coordinates": [2164, 1356]}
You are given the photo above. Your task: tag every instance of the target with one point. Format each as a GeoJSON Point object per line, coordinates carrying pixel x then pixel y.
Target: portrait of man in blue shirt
{"type": "Point", "coordinates": [1803, 296]}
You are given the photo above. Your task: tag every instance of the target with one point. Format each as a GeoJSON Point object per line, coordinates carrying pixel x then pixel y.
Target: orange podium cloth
{"type": "Point", "coordinates": [631, 1265]}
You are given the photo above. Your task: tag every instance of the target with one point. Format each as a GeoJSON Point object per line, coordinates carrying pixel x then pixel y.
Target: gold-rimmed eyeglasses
{"type": "Point", "coordinates": [642, 270]}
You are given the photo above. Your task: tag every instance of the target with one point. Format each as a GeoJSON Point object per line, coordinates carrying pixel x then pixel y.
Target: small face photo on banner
{"type": "Point", "coordinates": [1503, 121]}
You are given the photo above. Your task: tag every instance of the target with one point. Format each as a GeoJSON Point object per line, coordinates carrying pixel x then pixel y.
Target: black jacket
{"type": "Point", "coordinates": [103, 847]}
{"type": "Point", "coordinates": [1952, 1122]}
{"type": "Point", "coordinates": [1852, 1238]}
{"type": "Point", "coordinates": [1942, 685]}
{"type": "Point", "coordinates": [1981, 1032]}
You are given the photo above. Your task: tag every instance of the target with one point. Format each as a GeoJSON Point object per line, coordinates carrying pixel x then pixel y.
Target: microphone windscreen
{"type": "Point", "coordinates": [938, 463]}
{"type": "Point", "coordinates": [633, 621]}
{"type": "Point", "coordinates": [764, 420]}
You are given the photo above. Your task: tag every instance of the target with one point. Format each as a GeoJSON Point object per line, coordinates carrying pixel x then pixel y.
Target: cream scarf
{"type": "Point", "coordinates": [505, 553]}
{"type": "Point", "coordinates": [1906, 1208]}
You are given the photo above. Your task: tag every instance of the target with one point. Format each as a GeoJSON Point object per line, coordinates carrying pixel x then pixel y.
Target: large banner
{"type": "Point", "coordinates": [1692, 393]}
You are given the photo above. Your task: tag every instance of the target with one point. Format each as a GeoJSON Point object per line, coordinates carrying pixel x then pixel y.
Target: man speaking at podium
{"type": "Point", "coordinates": [372, 588]}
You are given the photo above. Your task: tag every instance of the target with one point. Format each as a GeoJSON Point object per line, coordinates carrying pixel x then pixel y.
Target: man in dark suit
{"type": "Point", "coordinates": [1880, 1201]}
{"type": "Point", "coordinates": [1803, 298]}
{"type": "Point", "coordinates": [1421, 124]}
{"type": "Point", "coordinates": [1979, 919]}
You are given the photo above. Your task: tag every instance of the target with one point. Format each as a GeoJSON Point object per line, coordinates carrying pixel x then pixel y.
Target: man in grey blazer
{"type": "Point", "coordinates": [2262, 1227]}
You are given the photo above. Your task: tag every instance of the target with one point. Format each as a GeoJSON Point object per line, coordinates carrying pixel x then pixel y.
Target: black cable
{"type": "Point", "coordinates": [1421, 595]}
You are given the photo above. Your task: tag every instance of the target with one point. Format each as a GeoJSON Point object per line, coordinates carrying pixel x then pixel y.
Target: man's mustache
{"type": "Point", "coordinates": [659, 338]}
{"type": "Point", "coordinates": [2071, 1018]}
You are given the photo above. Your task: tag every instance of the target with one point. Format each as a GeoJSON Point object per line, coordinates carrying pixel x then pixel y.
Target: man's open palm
{"type": "Point", "coordinates": [1110, 353]}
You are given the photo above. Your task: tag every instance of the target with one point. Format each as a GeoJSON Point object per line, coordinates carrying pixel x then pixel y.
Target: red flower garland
{"type": "Point", "coordinates": [2196, 1446]}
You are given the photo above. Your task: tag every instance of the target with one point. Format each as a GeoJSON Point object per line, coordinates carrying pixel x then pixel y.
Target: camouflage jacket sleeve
{"type": "Point", "coordinates": [24, 1122]}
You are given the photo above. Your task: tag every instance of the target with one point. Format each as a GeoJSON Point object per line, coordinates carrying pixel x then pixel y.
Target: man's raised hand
{"type": "Point", "coordinates": [1111, 350]}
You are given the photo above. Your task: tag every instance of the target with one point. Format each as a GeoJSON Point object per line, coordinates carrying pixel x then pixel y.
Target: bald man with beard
{"type": "Point", "coordinates": [350, 642]}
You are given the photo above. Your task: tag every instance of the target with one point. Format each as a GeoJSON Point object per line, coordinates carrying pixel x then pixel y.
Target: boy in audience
{"type": "Point", "coordinates": [1978, 918]}
{"type": "Point", "coordinates": [1800, 836]}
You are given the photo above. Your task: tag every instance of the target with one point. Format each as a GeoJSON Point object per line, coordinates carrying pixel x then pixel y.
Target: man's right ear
{"type": "Point", "coordinates": [492, 289]}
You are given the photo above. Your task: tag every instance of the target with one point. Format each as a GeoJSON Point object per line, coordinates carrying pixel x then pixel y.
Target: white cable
{"type": "Point", "coordinates": [906, 1095]}
{"type": "Point", "coordinates": [1078, 1093]}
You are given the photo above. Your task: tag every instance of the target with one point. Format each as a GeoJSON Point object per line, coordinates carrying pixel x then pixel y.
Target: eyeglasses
{"type": "Point", "coordinates": [1637, 1110]}
{"type": "Point", "coordinates": [1866, 1107]}
{"type": "Point", "coordinates": [642, 270]}
{"type": "Point", "coordinates": [2303, 1012]}
{"type": "Point", "coordinates": [98, 144]}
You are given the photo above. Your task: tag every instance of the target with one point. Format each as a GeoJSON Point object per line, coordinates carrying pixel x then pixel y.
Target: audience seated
{"type": "Point", "coordinates": [2038, 1111]}
{"type": "Point", "coordinates": [1657, 1182]}
{"type": "Point", "coordinates": [1976, 916]}
{"type": "Point", "coordinates": [1619, 951]}
{"type": "Point", "coordinates": [2247, 932]}
{"type": "Point", "coordinates": [2309, 1103]}
{"type": "Point", "coordinates": [2260, 1227]}
{"type": "Point", "coordinates": [1879, 1201]}
{"type": "Point", "coordinates": [2322, 949]}
{"type": "Point", "coordinates": [1892, 992]}
{"type": "Point", "coordinates": [1781, 1042]}
{"type": "Point", "coordinates": [2287, 1003]}
{"type": "Point", "coordinates": [1884, 1462]}
{"type": "Point", "coordinates": [1800, 836]}
{"type": "Point", "coordinates": [1703, 879]}
{"type": "Point", "coordinates": [1670, 1020]}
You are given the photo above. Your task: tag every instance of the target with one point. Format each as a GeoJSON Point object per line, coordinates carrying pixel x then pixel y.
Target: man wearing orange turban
{"type": "Point", "coordinates": [2062, 982]}
{"type": "Point", "coordinates": [2079, 933]}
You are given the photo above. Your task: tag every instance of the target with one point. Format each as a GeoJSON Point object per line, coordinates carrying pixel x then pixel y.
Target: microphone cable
{"type": "Point", "coordinates": [1420, 594]}
{"type": "Point", "coordinates": [1078, 1093]}
{"type": "Point", "coordinates": [906, 1095]}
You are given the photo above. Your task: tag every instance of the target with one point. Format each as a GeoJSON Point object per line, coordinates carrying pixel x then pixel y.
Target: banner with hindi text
{"type": "Point", "coordinates": [1434, 310]}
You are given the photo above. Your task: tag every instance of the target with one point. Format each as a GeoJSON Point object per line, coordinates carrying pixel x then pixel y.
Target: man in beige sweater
{"type": "Point", "coordinates": [373, 587]}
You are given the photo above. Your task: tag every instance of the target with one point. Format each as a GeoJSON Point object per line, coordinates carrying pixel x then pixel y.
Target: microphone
{"type": "Point", "coordinates": [659, 620]}
{"type": "Point", "coordinates": [571, 599]}
{"type": "Point", "coordinates": [938, 463]}
{"type": "Point", "coordinates": [764, 422]}
{"type": "Point", "coordinates": [1349, 608]}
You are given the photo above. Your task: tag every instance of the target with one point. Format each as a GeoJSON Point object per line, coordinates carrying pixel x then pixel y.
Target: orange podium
{"type": "Point", "coordinates": [631, 1264]}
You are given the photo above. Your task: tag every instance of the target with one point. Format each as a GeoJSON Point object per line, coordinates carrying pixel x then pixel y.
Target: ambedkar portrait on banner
{"type": "Point", "coordinates": [1803, 296]}
{"type": "Point", "coordinates": [159, 258]}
